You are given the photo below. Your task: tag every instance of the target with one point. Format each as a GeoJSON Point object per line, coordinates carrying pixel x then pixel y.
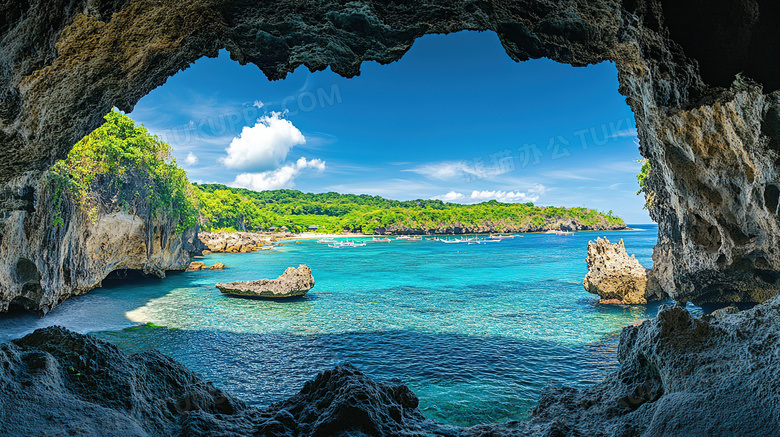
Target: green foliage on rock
{"type": "Point", "coordinates": [246, 210]}
{"type": "Point", "coordinates": [121, 164]}
{"type": "Point", "coordinates": [641, 178]}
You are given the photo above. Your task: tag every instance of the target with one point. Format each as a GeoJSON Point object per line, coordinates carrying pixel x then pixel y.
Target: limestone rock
{"type": "Point", "coordinates": [616, 277]}
{"type": "Point", "coordinates": [232, 242]}
{"type": "Point", "coordinates": [55, 379]}
{"type": "Point", "coordinates": [293, 282]}
{"type": "Point", "coordinates": [195, 266]}
{"type": "Point", "coordinates": [42, 262]}
{"type": "Point", "coordinates": [217, 266]}
{"type": "Point", "coordinates": [723, 312]}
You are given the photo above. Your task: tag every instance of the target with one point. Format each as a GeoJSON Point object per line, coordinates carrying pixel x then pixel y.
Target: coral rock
{"type": "Point", "coordinates": [293, 282]}
{"type": "Point", "coordinates": [616, 277]}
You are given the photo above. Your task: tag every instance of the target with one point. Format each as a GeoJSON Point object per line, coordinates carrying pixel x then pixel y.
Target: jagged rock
{"type": "Point", "coordinates": [616, 277]}
{"type": "Point", "coordinates": [58, 382]}
{"type": "Point", "coordinates": [293, 282]}
{"type": "Point", "coordinates": [195, 266]}
{"type": "Point", "coordinates": [43, 263]}
{"type": "Point", "coordinates": [217, 266]}
{"type": "Point", "coordinates": [232, 242]}
{"type": "Point", "coordinates": [723, 312]}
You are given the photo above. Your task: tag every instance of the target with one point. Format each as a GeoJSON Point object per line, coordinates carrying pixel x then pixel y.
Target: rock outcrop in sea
{"type": "Point", "coordinates": [292, 283]}
{"type": "Point", "coordinates": [678, 375]}
{"type": "Point", "coordinates": [233, 242]}
{"type": "Point", "coordinates": [51, 250]}
{"type": "Point", "coordinates": [618, 278]}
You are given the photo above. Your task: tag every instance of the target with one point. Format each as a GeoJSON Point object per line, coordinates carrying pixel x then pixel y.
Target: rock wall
{"type": "Point", "coordinates": [43, 263]}
{"type": "Point", "coordinates": [678, 376]}
{"type": "Point", "coordinates": [712, 138]}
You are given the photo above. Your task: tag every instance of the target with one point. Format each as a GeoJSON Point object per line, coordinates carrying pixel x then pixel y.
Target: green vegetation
{"type": "Point", "coordinates": [120, 165]}
{"type": "Point", "coordinates": [641, 178]}
{"type": "Point", "coordinates": [121, 162]}
{"type": "Point", "coordinates": [224, 208]}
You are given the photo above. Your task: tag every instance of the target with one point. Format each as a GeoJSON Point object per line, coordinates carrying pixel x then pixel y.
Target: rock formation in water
{"type": "Point", "coordinates": [233, 242]}
{"type": "Point", "coordinates": [292, 283]}
{"type": "Point", "coordinates": [712, 137]}
{"type": "Point", "coordinates": [618, 278]}
{"type": "Point", "coordinates": [678, 375]}
{"type": "Point", "coordinates": [44, 261]}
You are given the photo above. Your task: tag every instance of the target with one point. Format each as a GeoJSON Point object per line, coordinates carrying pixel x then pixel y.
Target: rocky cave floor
{"type": "Point", "coordinates": [679, 375]}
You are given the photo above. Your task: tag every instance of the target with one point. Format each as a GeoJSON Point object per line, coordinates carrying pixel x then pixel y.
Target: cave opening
{"type": "Point", "coordinates": [454, 121]}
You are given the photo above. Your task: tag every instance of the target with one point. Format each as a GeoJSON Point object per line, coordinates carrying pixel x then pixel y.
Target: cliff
{"type": "Point", "coordinates": [678, 375]}
{"type": "Point", "coordinates": [43, 263]}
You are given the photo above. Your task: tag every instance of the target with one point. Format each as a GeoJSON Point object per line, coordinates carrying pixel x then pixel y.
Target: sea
{"type": "Point", "coordinates": [475, 330]}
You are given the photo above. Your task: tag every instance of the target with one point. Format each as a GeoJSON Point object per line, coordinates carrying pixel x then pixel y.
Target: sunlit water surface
{"type": "Point", "coordinates": [475, 330]}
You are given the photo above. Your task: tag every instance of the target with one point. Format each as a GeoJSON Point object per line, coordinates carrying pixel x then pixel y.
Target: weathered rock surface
{"type": "Point", "coordinates": [43, 263]}
{"type": "Point", "coordinates": [678, 376]}
{"type": "Point", "coordinates": [233, 242]}
{"type": "Point", "coordinates": [58, 382]}
{"type": "Point", "coordinates": [618, 278]}
{"type": "Point", "coordinates": [293, 282]}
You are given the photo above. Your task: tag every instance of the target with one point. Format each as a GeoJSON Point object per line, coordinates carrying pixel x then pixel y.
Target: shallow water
{"type": "Point", "coordinates": [475, 330]}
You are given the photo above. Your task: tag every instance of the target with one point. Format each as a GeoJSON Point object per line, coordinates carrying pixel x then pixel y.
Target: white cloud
{"type": "Point", "coordinates": [627, 133]}
{"type": "Point", "coordinates": [503, 196]}
{"type": "Point", "coordinates": [191, 159]}
{"type": "Point", "coordinates": [449, 197]}
{"type": "Point", "coordinates": [263, 146]}
{"type": "Point", "coordinates": [258, 104]}
{"type": "Point", "coordinates": [531, 195]}
{"type": "Point", "coordinates": [445, 170]}
{"type": "Point", "coordinates": [282, 177]}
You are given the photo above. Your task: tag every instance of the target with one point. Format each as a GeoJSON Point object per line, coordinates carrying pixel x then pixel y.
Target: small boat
{"type": "Point", "coordinates": [501, 237]}
{"type": "Point", "coordinates": [379, 240]}
{"type": "Point", "coordinates": [327, 241]}
{"type": "Point", "coordinates": [461, 240]}
{"type": "Point", "coordinates": [408, 238]}
{"type": "Point", "coordinates": [339, 245]}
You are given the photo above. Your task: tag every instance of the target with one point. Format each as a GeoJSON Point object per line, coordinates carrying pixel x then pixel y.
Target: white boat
{"type": "Point", "coordinates": [327, 241]}
{"type": "Point", "coordinates": [379, 240]}
{"type": "Point", "coordinates": [501, 237]}
{"type": "Point", "coordinates": [461, 240]}
{"type": "Point", "coordinates": [408, 238]}
{"type": "Point", "coordinates": [339, 245]}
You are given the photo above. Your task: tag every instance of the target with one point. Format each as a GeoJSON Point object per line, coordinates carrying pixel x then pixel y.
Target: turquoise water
{"type": "Point", "coordinates": [475, 330]}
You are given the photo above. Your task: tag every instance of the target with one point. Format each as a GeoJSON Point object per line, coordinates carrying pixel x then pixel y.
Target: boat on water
{"type": "Point", "coordinates": [379, 240]}
{"type": "Point", "coordinates": [559, 232]}
{"type": "Point", "coordinates": [501, 237]}
{"type": "Point", "coordinates": [342, 244]}
{"type": "Point", "coordinates": [326, 241]}
{"type": "Point", "coordinates": [453, 241]}
{"type": "Point", "coordinates": [408, 238]}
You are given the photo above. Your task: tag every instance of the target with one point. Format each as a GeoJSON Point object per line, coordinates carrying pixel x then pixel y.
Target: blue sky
{"type": "Point", "coordinates": [454, 119]}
